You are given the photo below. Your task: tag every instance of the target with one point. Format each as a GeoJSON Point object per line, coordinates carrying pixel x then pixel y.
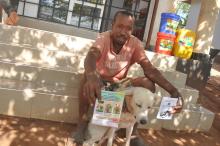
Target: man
{"type": "Point", "coordinates": [109, 59]}
{"type": "Point", "coordinates": [10, 7]}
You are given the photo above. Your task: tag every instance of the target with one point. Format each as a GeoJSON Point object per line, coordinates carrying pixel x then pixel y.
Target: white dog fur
{"type": "Point", "coordinates": [139, 100]}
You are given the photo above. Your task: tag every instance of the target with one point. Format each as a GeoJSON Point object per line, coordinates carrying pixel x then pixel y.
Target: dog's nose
{"type": "Point", "coordinates": [143, 121]}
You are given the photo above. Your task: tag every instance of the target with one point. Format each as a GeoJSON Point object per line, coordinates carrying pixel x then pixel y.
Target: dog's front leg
{"type": "Point", "coordinates": [111, 135]}
{"type": "Point", "coordinates": [129, 131]}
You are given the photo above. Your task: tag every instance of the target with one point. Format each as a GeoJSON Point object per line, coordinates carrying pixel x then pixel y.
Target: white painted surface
{"type": "Point", "coordinates": [216, 38]}
{"type": "Point", "coordinates": [163, 6]}
{"type": "Point", "coordinates": [149, 18]}
{"type": "Point", "coordinates": [31, 10]}
{"type": "Point", "coordinates": [193, 17]}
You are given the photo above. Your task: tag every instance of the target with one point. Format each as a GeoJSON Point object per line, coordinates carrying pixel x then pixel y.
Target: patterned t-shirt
{"type": "Point", "coordinates": [112, 66]}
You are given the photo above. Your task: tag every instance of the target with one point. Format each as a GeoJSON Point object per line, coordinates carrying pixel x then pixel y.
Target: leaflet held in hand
{"type": "Point", "coordinates": [107, 111]}
{"type": "Point", "coordinates": [167, 103]}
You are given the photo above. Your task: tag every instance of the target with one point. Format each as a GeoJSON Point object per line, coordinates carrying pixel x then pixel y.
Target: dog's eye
{"type": "Point", "coordinates": [148, 107]}
{"type": "Point", "coordinates": [138, 105]}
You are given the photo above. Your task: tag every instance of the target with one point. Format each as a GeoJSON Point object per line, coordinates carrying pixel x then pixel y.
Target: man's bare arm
{"type": "Point", "coordinates": [92, 87]}
{"type": "Point", "coordinates": [154, 75]}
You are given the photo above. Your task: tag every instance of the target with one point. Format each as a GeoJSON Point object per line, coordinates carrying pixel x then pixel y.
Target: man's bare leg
{"type": "Point", "coordinates": [85, 111]}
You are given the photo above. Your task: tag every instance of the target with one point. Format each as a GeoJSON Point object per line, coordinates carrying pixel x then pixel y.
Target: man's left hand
{"type": "Point", "coordinates": [179, 104]}
{"type": "Point", "coordinates": [178, 107]}
{"type": "Point", "coordinates": [12, 19]}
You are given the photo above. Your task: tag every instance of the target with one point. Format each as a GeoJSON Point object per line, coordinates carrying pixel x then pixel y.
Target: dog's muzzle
{"type": "Point", "coordinates": [143, 121]}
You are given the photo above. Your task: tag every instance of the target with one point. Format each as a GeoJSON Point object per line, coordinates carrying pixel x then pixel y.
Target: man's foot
{"type": "Point", "coordinates": [81, 133]}
{"type": "Point", "coordinates": [12, 19]}
{"type": "Point", "coordinates": [137, 141]}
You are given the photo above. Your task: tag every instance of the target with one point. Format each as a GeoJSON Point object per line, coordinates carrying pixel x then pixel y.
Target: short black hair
{"type": "Point", "coordinates": [126, 13]}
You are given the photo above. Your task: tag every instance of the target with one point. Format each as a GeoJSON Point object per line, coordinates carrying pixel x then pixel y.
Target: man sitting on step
{"type": "Point", "coordinates": [108, 60]}
{"type": "Point", "coordinates": [10, 7]}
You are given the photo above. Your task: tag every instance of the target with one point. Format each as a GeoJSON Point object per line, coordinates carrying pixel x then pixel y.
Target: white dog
{"type": "Point", "coordinates": [138, 101]}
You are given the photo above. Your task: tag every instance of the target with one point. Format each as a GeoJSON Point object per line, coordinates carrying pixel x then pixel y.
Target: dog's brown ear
{"type": "Point", "coordinates": [128, 101]}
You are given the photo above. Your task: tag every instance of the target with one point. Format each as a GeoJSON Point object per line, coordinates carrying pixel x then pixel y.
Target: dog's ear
{"type": "Point", "coordinates": [129, 105]}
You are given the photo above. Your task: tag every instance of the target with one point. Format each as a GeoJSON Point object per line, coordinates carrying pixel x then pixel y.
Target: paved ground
{"type": "Point", "coordinates": [29, 132]}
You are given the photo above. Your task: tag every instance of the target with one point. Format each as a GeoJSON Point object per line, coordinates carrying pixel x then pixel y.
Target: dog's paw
{"type": "Point", "coordinates": [137, 141]}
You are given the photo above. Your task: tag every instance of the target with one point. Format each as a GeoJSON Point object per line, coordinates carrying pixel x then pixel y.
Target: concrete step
{"type": "Point", "coordinates": [35, 38]}
{"type": "Point", "coordinates": [162, 61]}
{"type": "Point", "coordinates": [26, 99]}
{"type": "Point", "coordinates": [39, 73]}
{"type": "Point", "coordinates": [44, 57]}
{"type": "Point", "coordinates": [190, 96]}
{"type": "Point", "coordinates": [64, 74]}
{"type": "Point", "coordinates": [195, 117]}
{"type": "Point", "coordinates": [44, 40]}
{"type": "Point", "coordinates": [178, 79]}
{"type": "Point", "coordinates": [49, 56]}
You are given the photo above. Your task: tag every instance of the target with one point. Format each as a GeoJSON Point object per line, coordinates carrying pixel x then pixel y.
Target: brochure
{"type": "Point", "coordinates": [167, 103]}
{"type": "Point", "coordinates": [107, 111]}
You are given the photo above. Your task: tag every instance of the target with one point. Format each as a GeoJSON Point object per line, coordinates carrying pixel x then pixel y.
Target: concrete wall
{"type": "Point", "coordinates": [163, 6]}
{"type": "Point", "coordinates": [195, 22]}
{"type": "Point", "coordinates": [193, 15]}
{"type": "Point", "coordinates": [206, 25]}
{"type": "Point", "coordinates": [58, 28]}
{"type": "Point", "coordinates": [149, 18]}
{"type": "Point", "coordinates": [216, 42]}
{"type": "Point", "coordinates": [68, 29]}
{"type": "Point", "coordinates": [202, 20]}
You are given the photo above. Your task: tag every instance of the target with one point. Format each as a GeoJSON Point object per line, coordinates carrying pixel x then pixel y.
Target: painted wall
{"type": "Point", "coordinates": [193, 15]}
{"type": "Point", "coordinates": [206, 25]}
{"type": "Point", "coordinates": [216, 37]}
{"type": "Point", "coordinates": [58, 28]}
{"type": "Point", "coordinates": [163, 6]}
{"type": "Point", "coordinates": [31, 11]}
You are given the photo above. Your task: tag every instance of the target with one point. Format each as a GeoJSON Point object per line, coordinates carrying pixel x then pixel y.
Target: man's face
{"type": "Point", "coordinates": [122, 28]}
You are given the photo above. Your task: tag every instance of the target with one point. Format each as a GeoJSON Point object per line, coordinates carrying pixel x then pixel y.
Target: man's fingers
{"type": "Point", "coordinates": [86, 93]}
{"type": "Point", "coordinates": [177, 107]}
{"type": "Point", "coordinates": [92, 94]}
{"type": "Point", "coordinates": [98, 92]}
{"type": "Point", "coordinates": [180, 101]}
{"type": "Point", "coordinates": [14, 17]}
{"type": "Point", "coordinates": [8, 21]}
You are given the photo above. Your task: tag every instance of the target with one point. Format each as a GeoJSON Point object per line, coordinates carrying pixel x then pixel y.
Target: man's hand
{"type": "Point", "coordinates": [92, 87]}
{"type": "Point", "coordinates": [179, 104]}
{"type": "Point", "coordinates": [12, 19]}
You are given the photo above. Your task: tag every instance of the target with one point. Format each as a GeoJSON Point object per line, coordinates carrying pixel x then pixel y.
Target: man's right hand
{"type": "Point", "coordinates": [92, 87]}
{"type": "Point", "coordinates": [12, 19]}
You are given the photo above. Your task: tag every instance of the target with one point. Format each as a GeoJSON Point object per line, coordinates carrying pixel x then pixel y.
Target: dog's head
{"type": "Point", "coordinates": [139, 103]}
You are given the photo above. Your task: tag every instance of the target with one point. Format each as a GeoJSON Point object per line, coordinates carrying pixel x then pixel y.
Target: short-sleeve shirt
{"type": "Point", "coordinates": [112, 66]}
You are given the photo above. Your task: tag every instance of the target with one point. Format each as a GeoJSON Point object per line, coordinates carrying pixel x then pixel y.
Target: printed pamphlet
{"type": "Point", "coordinates": [167, 103]}
{"type": "Point", "coordinates": [107, 111]}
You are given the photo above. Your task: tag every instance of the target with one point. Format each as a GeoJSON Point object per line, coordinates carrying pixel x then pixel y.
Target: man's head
{"type": "Point", "coordinates": [122, 27]}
